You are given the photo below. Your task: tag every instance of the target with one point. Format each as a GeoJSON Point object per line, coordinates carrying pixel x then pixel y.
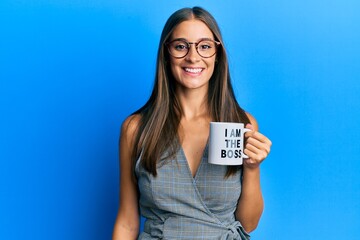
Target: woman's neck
{"type": "Point", "coordinates": [193, 103]}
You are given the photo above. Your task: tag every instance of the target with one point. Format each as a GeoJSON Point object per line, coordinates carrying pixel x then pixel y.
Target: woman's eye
{"type": "Point", "coordinates": [205, 46]}
{"type": "Point", "coordinates": [180, 47]}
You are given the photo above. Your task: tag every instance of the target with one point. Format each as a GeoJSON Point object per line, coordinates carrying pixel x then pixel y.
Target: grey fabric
{"type": "Point", "coordinates": [177, 205]}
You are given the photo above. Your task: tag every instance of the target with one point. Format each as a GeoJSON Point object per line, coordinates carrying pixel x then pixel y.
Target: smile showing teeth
{"type": "Point", "coordinates": [193, 70]}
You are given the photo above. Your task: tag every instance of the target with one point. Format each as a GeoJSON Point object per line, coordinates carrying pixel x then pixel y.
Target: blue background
{"type": "Point", "coordinates": [71, 71]}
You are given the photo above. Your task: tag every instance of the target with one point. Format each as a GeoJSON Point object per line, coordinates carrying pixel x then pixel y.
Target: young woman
{"type": "Point", "coordinates": [164, 171]}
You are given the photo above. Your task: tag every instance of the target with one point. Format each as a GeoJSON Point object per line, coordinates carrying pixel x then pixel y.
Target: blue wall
{"type": "Point", "coordinates": [71, 71]}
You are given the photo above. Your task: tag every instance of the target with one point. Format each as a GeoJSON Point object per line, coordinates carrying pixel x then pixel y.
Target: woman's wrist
{"type": "Point", "coordinates": [251, 172]}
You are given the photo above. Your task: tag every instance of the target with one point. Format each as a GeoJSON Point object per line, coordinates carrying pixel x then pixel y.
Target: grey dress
{"type": "Point", "coordinates": [177, 205]}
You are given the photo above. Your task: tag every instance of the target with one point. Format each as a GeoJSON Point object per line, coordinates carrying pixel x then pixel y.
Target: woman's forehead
{"type": "Point", "coordinates": [192, 30]}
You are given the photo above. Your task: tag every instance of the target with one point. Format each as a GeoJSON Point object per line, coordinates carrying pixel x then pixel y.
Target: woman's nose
{"type": "Point", "coordinates": [193, 55]}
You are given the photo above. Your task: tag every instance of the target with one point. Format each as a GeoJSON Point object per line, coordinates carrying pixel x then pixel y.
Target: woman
{"type": "Point", "coordinates": [163, 145]}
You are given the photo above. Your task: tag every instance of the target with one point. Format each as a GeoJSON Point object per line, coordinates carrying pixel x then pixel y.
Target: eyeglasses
{"type": "Point", "coordinates": [179, 48]}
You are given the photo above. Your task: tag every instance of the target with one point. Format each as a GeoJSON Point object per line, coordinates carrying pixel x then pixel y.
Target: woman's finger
{"type": "Point", "coordinates": [258, 136]}
{"type": "Point", "coordinates": [256, 143]}
{"type": "Point", "coordinates": [258, 156]}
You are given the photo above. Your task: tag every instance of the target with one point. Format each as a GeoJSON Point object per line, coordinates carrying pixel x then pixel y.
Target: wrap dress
{"type": "Point", "coordinates": [177, 205]}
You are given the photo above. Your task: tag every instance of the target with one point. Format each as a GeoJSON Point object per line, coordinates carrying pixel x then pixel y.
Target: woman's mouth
{"type": "Point", "coordinates": [193, 70]}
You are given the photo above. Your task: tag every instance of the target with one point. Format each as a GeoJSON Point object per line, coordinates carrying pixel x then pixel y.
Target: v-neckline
{"type": "Point", "coordinates": [194, 177]}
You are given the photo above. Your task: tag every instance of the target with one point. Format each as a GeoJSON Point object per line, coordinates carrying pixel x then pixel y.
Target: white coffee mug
{"type": "Point", "coordinates": [226, 143]}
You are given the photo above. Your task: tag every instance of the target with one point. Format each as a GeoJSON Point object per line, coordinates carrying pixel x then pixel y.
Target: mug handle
{"type": "Point", "coordinates": [243, 154]}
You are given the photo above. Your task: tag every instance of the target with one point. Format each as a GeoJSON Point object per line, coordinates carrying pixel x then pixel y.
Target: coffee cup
{"type": "Point", "coordinates": [226, 143]}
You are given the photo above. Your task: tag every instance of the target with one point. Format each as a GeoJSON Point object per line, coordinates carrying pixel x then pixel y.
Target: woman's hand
{"type": "Point", "coordinates": [257, 147]}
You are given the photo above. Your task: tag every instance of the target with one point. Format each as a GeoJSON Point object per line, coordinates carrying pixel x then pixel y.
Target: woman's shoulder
{"type": "Point", "coordinates": [132, 121]}
{"type": "Point", "coordinates": [130, 126]}
{"type": "Point", "coordinates": [252, 120]}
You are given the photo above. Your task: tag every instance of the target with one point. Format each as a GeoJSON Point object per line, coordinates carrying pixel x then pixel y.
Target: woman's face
{"type": "Point", "coordinates": [192, 71]}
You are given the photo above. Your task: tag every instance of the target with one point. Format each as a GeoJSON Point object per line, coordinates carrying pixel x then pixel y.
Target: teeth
{"type": "Point", "coordinates": [193, 70]}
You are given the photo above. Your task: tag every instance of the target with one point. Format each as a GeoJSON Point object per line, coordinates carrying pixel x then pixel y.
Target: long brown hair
{"type": "Point", "coordinates": [156, 137]}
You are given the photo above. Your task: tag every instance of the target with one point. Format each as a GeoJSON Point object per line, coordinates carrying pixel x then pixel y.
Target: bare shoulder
{"type": "Point", "coordinates": [253, 121]}
{"type": "Point", "coordinates": [129, 127]}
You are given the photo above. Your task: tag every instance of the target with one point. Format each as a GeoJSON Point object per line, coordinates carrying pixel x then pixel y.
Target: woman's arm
{"type": "Point", "coordinates": [127, 220]}
{"type": "Point", "coordinates": [251, 204]}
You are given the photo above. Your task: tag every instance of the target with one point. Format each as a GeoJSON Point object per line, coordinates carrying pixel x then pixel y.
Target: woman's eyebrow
{"type": "Point", "coordinates": [179, 39]}
{"type": "Point", "coordinates": [184, 39]}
